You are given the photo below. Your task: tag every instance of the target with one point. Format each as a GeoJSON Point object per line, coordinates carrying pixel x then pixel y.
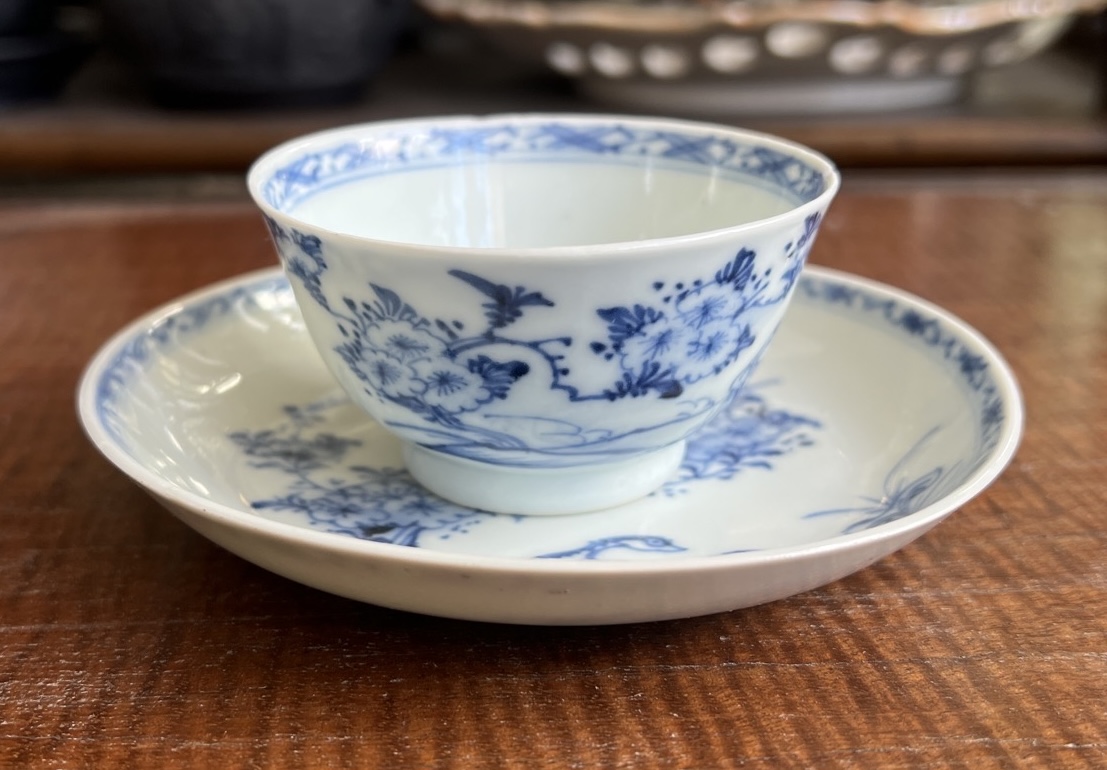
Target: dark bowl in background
{"type": "Point", "coordinates": [26, 17]}
{"type": "Point", "coordinates": [37, 67]}
{"type": "Point", "coordinates": [37, 58]}
{"type": "Point", "coordinates": [253, 53]}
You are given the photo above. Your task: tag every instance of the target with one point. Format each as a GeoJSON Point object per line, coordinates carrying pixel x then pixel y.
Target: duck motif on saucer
{"type": "Point", "coordinates": [873, 416]}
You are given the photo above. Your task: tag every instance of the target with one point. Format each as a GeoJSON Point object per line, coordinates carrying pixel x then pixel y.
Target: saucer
{"type": "Point", "coordinates": [873, 416]}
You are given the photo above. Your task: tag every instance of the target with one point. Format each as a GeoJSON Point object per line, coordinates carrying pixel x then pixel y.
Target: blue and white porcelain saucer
{"type": "Point", "coordinates": [873, 417]}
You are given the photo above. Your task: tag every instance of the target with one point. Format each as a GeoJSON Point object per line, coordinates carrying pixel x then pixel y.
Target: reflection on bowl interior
{"type": "Point", "coordinates": [536, 182]}
{"type": "Point", "coordinates": [490, 203]}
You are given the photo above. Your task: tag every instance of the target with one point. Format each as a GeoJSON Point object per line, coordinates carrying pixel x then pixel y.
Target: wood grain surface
{"type": "Point", "coordinates": [126, 640]}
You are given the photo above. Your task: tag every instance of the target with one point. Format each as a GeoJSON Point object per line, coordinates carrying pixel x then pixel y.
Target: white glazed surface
{"type": "Point", "coordinates": [529, 205]}
{"type": "Point", "coordinates": [873, 417]}
{"type": "Point", "coordinates": [548, 293]}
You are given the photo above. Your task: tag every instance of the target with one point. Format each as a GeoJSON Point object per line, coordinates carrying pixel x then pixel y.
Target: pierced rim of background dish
{"type": "Point", "coordinates": [995, 461]}
{"type": "Point", "coordinates": [914, 17]}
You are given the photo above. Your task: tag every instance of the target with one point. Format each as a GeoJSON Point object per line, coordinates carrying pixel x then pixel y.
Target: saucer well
{"type": "Point", "coordinates": [873, 416]}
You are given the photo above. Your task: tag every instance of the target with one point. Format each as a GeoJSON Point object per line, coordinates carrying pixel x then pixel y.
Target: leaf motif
{"type": "Point", "coordinates": [738, 271]}
{"type": "Point", "coordinates": [445, 329]}
{"type": "Point", "coordinates": [498, 377]}
{"type": "Point", "coordinates": [389, 305]}
{"type": "Point", "coordinates": [389, 301]}
{"type": "Point", "coordinates": [310, 245]}
{"type": "Point", "coordinates": [650, 378]}
{"type": "Point", "coordinates": [623, 322]}
{"type": "Point", "coordinates": [483, 285]}
{"type": "Point", "coordinates": [506, 304]}
{"type": "Point", "coordinates": [810, 227]}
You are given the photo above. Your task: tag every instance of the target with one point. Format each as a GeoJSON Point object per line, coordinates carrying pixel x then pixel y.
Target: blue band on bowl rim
{"type": "Point", "coordinates": [425, 146]}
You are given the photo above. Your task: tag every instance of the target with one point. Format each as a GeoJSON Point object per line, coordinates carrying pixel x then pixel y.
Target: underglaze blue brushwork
{"type": "Point", "coordinates": [905, 491]}
{"type": "Point", "coordinates": [448, 378]}
{"type": "Point", "coordinates": [931, 332]}
{"type": "Point", "coordinates": [597, 549]}
{"type": "Point", "coordinates": [132, 357]}
{"type": "Point", "coordinates": [548, 142]}
{"type": "Point", "coordinates": [306, 471]}
{"type": "Point", "coordinates": [750, 433]}
{"type": "Point", "coordinates": [380, 504]}
{"type": "Point", "coordinates": [322, 481]}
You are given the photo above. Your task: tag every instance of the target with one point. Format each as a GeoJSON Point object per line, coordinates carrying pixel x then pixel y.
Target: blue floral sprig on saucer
{"type": "Point", "coordinates": [322, 481]}
{"type": "Point", "coordinates": [751, 433]}
{"type": "Point", "coordinates": [382, 504]}
{"type": "Point", "coordinates": [905, 491]}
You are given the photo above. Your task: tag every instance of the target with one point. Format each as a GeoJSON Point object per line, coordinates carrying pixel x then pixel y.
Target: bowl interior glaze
{"type": "Point", "coordinates": [537, 183]}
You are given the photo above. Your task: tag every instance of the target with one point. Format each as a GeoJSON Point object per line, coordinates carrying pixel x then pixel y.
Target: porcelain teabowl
{"type": "Point", "coordinates": [543, 308]}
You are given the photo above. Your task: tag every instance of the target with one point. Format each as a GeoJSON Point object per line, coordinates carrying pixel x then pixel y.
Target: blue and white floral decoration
{"type": "Point", "coordinates": [335, 494]}
{"type": "Point", "coordinates": [554, 141]}
{"type": "Point", "coordinates": [387, 505]}
{"type": "Point", "coordinates": [441, 373]}
{"type": "Point", "coordinates": [905, 491]}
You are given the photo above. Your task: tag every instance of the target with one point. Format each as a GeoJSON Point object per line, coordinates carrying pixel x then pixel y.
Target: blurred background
{"type": "Point", "coordinates": [102, 89]}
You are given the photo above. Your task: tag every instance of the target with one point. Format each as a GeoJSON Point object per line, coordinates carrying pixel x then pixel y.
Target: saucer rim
{"type": "Point", "coordinates": [226, 515]}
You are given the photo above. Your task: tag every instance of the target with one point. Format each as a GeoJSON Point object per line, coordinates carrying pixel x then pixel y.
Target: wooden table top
{"type": "Point", "coordinates": [126, 640]}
